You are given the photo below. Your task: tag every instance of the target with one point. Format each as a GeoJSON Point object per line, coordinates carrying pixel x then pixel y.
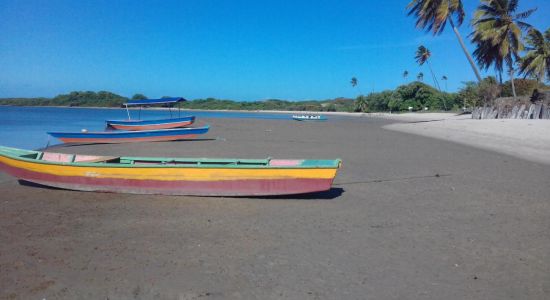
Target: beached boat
{"type": "Point", "coordinates": [138, 124]}
{"type": "Point", "coordinates": [130, 136]}
{"type": "Point", "coordinates": [133, 125]}
{"type": "Point", "coordinates": [170, 176]}
{"type": "Point", "coordinates": [309, 118]}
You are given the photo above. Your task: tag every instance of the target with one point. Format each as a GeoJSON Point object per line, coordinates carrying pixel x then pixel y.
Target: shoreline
{"type": "Point", "coordinates": [524, 139]}
{"type": "Point", "coordinates": [387, 115]}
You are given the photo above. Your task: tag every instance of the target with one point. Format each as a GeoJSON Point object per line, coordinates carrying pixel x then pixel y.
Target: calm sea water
{"type": "Point", "coordinates": [26, 127]}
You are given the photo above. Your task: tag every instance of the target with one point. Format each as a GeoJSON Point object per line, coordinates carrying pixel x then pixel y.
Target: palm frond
{"type": "Point", "coordinates": [524, 26]}
{"type": "Point", "coordinates": [513, 5]}
{"type": "Point", "coordinates": [432, 15]}
{"type": "Point", "coordinates": [498, 33]}
{"type": "Point", "coordinates": [525, 14]}
{"type": "Point", "coordinates": [458, 9]}
{"type": "Point", "coordinates": [536, 62]}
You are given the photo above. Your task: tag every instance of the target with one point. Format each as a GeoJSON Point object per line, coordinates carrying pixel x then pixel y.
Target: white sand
{"type": "Point", "coordinates": [526, 139]}
{"type": "Point", "coordinates": [419, 116]}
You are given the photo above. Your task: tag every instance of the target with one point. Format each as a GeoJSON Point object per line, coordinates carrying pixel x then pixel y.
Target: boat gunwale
{"type": "Point", "coordinates": [121, 132]}
{"type": "Point", "coordinates": [335, 163]}
{"type": "Point", "coordinates": [128, 122]}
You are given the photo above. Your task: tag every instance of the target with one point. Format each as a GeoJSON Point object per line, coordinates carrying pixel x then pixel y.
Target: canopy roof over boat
{"type": "Point", "coordinates": [155, 101]}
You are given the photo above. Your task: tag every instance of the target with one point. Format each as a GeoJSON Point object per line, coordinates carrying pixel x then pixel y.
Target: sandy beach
{"type": "Point", "coordinates": [409, 217]}
{"type": "Point", "coordinates": [526, 139]}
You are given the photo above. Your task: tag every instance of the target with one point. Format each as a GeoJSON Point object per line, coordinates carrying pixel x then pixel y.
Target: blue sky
{"type": "Point", "coordinates": [241, 50]}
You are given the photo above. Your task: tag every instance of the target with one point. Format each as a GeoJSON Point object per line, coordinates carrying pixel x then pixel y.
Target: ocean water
{"type": "Point", "coordinates": [27, 127]}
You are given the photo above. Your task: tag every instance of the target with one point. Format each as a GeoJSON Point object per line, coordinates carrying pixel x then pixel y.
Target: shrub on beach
{"type": "Point", "coordinates": [524, 87]}
{"type": "Point", "coordinates": [475, 94]}
{"type": "Point", "coordinates": [416, 95]}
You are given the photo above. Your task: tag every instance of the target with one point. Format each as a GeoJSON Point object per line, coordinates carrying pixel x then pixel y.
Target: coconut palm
{"type": "Point", "coordinates": [405, 74]}
{"type": "Point", "coordinates": [422, 56]}
{"type": "Point", "coordinates": [353, 81]}
{"type": "Point", "coordinates": [536, 63]}
{"type": "Point", "coordinates": [420, 77]}
{"type": "Point", "coordinates": [497, 35]}
{"type": "Point", "coordinates": [433, 15]}
{"type": "Point", "coordinates": [444, 78]}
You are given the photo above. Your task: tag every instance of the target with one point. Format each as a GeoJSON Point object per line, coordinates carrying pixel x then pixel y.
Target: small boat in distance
{"type": "Point", "coordinates": [111, 137]}
{"type": "Point", "coordinates": [309, 118]}
{"type": "Point", "coordinates": [138, 124]}
{"type": "Point", "coordinates": [170, 176]}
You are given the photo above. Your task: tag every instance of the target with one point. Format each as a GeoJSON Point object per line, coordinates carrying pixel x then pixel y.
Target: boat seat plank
{"type": "Point", "coordinates": [57, 157]}
{"type": "Point", "coordinates": [94, 159]}
{"type": "Point", "coordinates": [78, 158]}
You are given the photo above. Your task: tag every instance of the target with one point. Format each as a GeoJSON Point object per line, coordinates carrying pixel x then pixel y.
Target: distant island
{"type": "Point", "coordinates": [413, 96]}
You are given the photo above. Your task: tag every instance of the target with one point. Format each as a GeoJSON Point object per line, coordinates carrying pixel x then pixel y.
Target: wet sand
{"type": "Point", "coordinates": [409, 217]}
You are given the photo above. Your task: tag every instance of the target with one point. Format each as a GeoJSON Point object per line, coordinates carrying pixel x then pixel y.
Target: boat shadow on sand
{"type": "Point", "coordinates": [331, 194]}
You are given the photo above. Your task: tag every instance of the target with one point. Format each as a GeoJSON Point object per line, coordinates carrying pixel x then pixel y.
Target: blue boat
{"type": "Point", "coordinates": [309, 118]}
{"type": "Point", "coordinates": [138, 124]}
{"type": "Point", "coordinates": [133, 125]}
{"type": "Point", "coordinates": [111, 137]}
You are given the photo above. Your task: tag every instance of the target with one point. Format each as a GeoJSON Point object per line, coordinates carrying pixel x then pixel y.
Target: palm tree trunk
{"type": "Point", "coordinates": [468, 56]}
{"type": "Point", "coordinates": [433, 76]}
{"type": "Point", "coordinates": [436, 83]}
{"type": "Point", "coordinates": [512, 81]}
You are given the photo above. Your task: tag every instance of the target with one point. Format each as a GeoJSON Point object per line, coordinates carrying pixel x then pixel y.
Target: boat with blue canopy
{"type": "Point", "coordinates": [138, 124]}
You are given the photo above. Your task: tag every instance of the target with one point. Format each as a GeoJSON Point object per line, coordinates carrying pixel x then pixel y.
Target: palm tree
{"type": "Point", "coordinates": [420, 77]}
{"type": "Point", "coordinates": [433, 15]}
{"type": "Point", "coordinates": [361, 104]}
{"type": "Point", "coordinates": [536, 63]}
{"type": "Point", "coordinates": [353, 81]}
{"type": "Point", "coordinates": [497, 35]}
{"type": "Point", "coordinates": [405, 74]}
{"type": "Point", "coordinates": [422, 56]}
{"type": "Point", "coordinates": [444, 78]}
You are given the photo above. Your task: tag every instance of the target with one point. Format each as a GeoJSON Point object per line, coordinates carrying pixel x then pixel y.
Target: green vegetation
{"type": "Point", "coordinates": [498, 35]}
{"type": "Point", "coordinates": [475, 94]}
{"type": "Point", "coordinates": [108, 99]}
{"type": "Point", "coordinates": [99, 99]}
{"type": "Point", "coordinates": [498, 31]}
{"type": "Point", "coordinates": [433, 15]}
{"type": "Point", "coordinates": [416, 95]}
{"type": "Point", "coordinates": [423, 57]}
{"type": "Point", "coordinates": [536, 62]}
{"type": "Point", "coordinates": [139, 97]}
{"type": "Point", "coordinates": [340, 104]}
{"type": "Point", "coordinates": [419, 96]}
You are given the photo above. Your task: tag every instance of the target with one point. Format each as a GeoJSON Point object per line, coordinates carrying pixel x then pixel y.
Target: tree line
{"type": "Point", "coordinates": [412, 96]}
{"type": "Point", "coordinates": [502, 38]}
{"type": "Point", "coordinates": [109, 99]}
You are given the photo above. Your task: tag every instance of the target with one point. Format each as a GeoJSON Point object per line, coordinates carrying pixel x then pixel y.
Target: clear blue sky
{"type": "Point", "coordinates": [242, 50]}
